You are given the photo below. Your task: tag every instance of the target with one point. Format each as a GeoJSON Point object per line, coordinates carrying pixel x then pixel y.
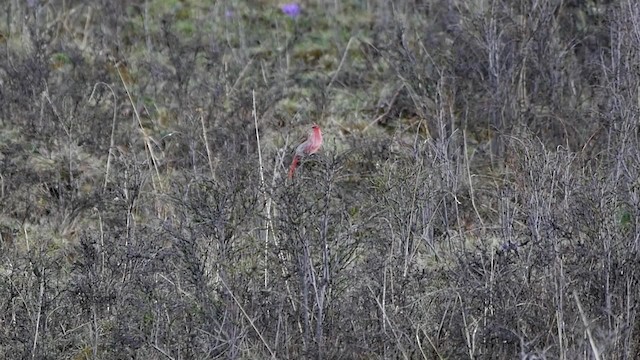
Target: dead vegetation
{"type": "Point", "coordinates": [476, 197]}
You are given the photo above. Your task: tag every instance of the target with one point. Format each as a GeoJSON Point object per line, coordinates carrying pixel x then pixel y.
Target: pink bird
{"type": "Point", "coordinates": [308, 147]}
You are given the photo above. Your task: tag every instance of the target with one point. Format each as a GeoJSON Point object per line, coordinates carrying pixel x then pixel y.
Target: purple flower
{"type": "Point", "coordinates": [228, 14]}
{"type": "Point", "coordinates": [292, 10]}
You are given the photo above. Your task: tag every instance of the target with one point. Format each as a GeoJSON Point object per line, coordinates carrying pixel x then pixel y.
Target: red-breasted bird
{"type": "Point", "coordinates": [308, 147]}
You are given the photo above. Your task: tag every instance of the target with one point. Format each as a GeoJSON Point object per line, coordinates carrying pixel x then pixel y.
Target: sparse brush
{"type": "Point", "coordinates": [476, 195]}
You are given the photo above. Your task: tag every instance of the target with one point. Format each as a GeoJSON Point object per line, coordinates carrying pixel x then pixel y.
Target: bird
{"type": "Point", "coordinates": [308, 147]}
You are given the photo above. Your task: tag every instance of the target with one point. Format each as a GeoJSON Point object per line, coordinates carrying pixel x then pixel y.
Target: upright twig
{"type": "Point", "coordinates": [594, 348]}
{"type": "Point", "coordinates": [267, 198]}
{"type": "Point", "coordinates": [469, 177]}
{"type": "Point", "coordinates": [344, 56]}
{"type": "Point", "coordinates": [145, 137]}
{"type": "Point", "coordinates": [253, 325]}
{"type": "Point", "coordinates": [206, 145]}
{"type": "Point", "coordinates": [38, 315]}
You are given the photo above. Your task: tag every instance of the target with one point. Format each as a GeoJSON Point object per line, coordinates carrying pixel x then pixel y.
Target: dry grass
{"type": "Point", "coordinates": [476, 197]}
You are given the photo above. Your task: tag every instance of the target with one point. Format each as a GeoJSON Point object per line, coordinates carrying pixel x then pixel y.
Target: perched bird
{"type": "Point", "coordinates": [308, 147]}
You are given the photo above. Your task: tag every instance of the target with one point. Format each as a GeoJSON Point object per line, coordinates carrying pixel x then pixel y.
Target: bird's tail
{"type": "Point", "coordinates": [294, 165]}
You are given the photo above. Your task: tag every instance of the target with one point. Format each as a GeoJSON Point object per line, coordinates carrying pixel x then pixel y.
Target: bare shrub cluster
{"type": "Point", "coordinates": [477, 195]}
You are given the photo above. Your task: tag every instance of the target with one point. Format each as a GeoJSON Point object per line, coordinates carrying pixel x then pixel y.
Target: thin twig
{"type": "Point", "coordinates": [145, 136]}
{"type": "Point", "coordinates": [253, 325]}
{"type": "Point", "coordinates": [206, 144]}
{"type": "Point", "coordinates": [344, 56]}
{"type": "Point", "coordinates": [241, 75]}
{"type": "Point", "coordinates": [389, 106]}
{"type": "Point", "coordinates": [592, 342]}
{"type": "Point", "coordinates": [162, 352]}
{"type": "Point", "coordinates": [38, 314]}
{"type": "Point", "coordinates": [387, 320]}
{"type": "Point", "coordinates": [267, 198]}
{"type": "Point", "coordinates": [473, 198]}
